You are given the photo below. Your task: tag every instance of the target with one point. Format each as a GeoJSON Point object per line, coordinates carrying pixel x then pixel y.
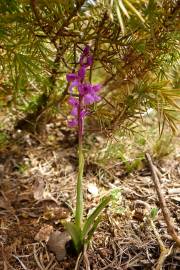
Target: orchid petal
{"type": "Point", "coordinates": [73, 101]}
{"type": "Point", "coordinates": [96, 87]}
{"type": "Point", "coordinates": [71, 77]}
{"type": "Point", "coordinates": [86, 50]}
{"type": "Point", "coordinates": [73, 84]}
{"type": "Point", "coordinates": [73, 123]}
{"type": "Point", "coordinates": [88, 99]}
{"type": "Point", "coordinates": [81, 73]}
{"type": "Point", "coordinates": [74, 111]}
{"type": "Point", "coordinates": [85, 89]}
{"type": "Point", "coordinates": [97, 98]}
{"type": "Point", "coordinates": [89, 61]}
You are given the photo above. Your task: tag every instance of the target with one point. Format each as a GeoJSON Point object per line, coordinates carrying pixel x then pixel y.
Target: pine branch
{"type": "Point", "coordinates": [39, 20]}
{"type": "Point", "coordinates": [74, 12]}
{"type": "Point", "coordinates": [96, 42]}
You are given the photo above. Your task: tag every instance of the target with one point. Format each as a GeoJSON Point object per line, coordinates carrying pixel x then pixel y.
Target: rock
{"type": "Point", "coordinates": [44, 233]}
{"type": "Point", "coordinates": [57, 244]}
{"type": "Point", "coordinates": [92, 189]}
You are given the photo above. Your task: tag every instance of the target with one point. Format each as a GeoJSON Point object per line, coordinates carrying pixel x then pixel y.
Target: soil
{"type": "Point", "coordinates": [38, 178]}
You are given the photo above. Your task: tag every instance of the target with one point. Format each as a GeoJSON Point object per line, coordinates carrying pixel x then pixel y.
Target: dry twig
{"type": "Point", "coordinates": [165, 211]}
{"type": "Point", "coordinates": [37, 260]}
{"type": "Point", "coordinates": [165, 252]}
{"type": "Point", "coordinates": [86, 260]}
{"type": "Point", "coordinates": [21, 263]}
{"type": "Point", "coordinates": [78, 262]}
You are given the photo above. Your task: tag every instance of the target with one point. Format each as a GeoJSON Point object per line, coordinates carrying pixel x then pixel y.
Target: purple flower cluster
{"type": "Point", "coordinates": [87, 92]}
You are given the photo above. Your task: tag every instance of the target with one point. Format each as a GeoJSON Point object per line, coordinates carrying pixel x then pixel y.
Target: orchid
{"type": "Point", "coordinates": [81, 232]}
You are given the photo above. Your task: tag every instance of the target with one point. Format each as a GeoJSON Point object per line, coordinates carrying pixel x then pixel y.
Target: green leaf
{"type": "Point", "coordinates": [153, 213]}
{"type": "Point", "coordinates": [91, 232]}
{"type": "Point", "coordinates": [76, 235]}
{"type": "Point", "coordinates": [91, 220]}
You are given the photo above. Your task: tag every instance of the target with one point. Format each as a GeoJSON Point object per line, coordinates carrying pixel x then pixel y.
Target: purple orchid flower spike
{"type": "Point", "coordinates": [88, 93]}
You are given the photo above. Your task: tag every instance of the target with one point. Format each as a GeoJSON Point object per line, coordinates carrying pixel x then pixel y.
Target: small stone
{"type": "Point", "coordinates": [57, 244]}
{"type": "Point", "coordinates": [44, 233]}
{"type": "Point", "coordinates": [93, 190]}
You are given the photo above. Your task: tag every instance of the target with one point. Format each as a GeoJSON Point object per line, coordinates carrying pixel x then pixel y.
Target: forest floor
{"type": "Point", "coordinates": [38, 177]}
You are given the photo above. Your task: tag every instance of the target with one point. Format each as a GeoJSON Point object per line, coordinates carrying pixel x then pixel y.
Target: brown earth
{"type": "Point", "coordinates": [38, 193]}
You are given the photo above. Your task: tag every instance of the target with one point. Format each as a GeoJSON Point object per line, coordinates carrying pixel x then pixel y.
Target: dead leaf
{"type": "Point", "coordinates": [25, 197]}
{"type": "Point", "coordinates": [56, 213]}
{"type": "Point", "coordinates": [4, 203]}
{"type": "Point", "coordinates": [38, 189]}
{"type": "Point", "coordinates": [44, 233]}
{"type": "Point", "coordinates": [57, 244]}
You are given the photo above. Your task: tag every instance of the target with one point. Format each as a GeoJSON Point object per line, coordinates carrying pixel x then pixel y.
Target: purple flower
{"type": "Point", "coordinates": [88, 93]}
{"type": "Point", "coordinates": [74, 84]}
{"type": "Point", "coordinates": [75, 104]}
{"type": "Point", "coordinates": [96, 87]}
{"type": "Point", "coordinates": [71, 77]}
{"type": "Point", "coordinates": [88, 99]}
{"type": "Point", "coordinates": [73, 123]}
{"type": "Point", "coordinates": [84, 89]}
{"type": "Point", "coordinates": [86, 50]}
{"type": "Point", "coordinates": [74, 111]}
{"type": "Point", "coordinates": [91, 98]}
{"type": "Point", "coordinates": [81, 73]}
{"type": "Point", "coordinates": [74, 101]}
{"type": "Point", "coordinates": [89, 60]}
{"type": "Point", "coordinates": [86, 61]}
{"type": "Point", "coordinates": [76, 79]}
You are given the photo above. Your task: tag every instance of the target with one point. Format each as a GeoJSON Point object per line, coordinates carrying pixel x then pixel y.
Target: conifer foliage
{"type": "Point", "coordinates": [134, 46]}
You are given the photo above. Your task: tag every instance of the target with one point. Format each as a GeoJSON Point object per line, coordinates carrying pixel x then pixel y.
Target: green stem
{"type": "Point", "coordinates": [79, 187]}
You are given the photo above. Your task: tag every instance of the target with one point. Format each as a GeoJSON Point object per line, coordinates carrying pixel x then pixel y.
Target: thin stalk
{"type": "Point", "coordinates": [79, 187]}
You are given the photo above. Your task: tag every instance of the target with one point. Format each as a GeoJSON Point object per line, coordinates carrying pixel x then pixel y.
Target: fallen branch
{"type": "Point", "coordinates": [164, 252]}
{"type": "Point", "coordinates": [37, 260]}
{"type": "Point", "coordinates": [165, 211]}
{"type": "Point", "coordinates": [21, 263]}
